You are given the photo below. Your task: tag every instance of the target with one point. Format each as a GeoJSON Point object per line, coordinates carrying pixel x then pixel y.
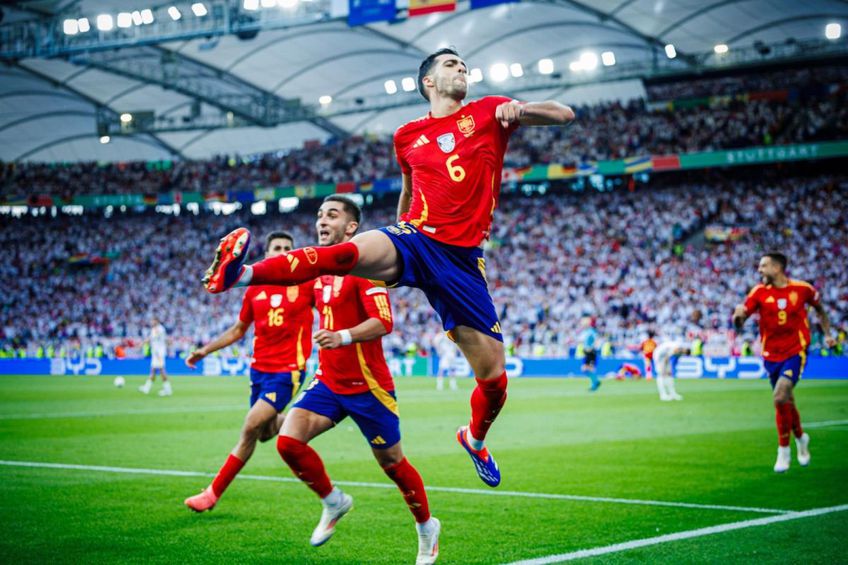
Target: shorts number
{"type": "Point", "coordinates": [457, 173]}
{"type": "Point", "coordinates": [275, 317]}
{"type": "Point", "coordinates": [781, 317]}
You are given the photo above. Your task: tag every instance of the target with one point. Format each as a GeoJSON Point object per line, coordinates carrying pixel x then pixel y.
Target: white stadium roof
{"type": "Point", "coordinates": [48, 107]}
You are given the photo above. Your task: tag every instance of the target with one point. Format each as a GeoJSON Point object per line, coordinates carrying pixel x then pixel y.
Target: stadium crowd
{"type": "Point", "coordinates": [632, 260]}
{"type": "Point", "coordinates": [604, 131]}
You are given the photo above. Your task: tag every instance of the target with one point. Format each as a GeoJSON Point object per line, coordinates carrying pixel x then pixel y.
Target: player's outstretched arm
{"type": "Point", "coordinates": [548, 113]}
{"type": "Point", "coordinates": [372, 328]}
{"type": "Point", "coordinates": [829, 340]}
{"type": "Point", "coordinates": [405, 196]}
{"type": "Point", "coordinates": [230, 336]}
{"type": "Point", "coordinates": [740, 314]}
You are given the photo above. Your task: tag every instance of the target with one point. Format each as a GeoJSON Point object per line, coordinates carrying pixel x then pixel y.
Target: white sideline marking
{"type": "Point", "coordinates": [519, 494]}
{"type": "Point", "coordinates": [700, 532]}
{"type": "Point", "coordinates": [825, 424]}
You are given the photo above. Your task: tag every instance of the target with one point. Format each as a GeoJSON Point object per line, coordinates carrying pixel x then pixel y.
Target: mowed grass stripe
{"type": "Point", "coordinates": [506, 493]}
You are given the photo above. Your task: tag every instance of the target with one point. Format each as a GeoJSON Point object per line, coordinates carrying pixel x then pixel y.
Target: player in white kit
{"type": "Point", "coordinates": [447, 352]}
{"type": "Point", "coordinates": [664, 357]}
{"type": "Point", "coordinates": [158, 350]}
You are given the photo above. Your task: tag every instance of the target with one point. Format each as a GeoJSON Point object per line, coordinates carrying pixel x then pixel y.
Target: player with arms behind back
{"type": "Point", "coordinates": [282, 320]}
{"type": "Point", "coordinates": [782, 304]}
{"type": "Point", "coordinates": [451, 162]}
{"type": "Point", "coordinates": [353, 380]}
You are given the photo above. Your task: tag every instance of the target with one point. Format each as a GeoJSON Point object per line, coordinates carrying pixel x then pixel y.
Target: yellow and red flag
{"type": "Point", "coordinates": [422, 7]}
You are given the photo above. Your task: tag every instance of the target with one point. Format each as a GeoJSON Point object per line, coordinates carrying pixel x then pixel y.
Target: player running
{"type": "Point", "coordinates": [158, 341]}
{"type": "Point", "coordinates": [353, 380]}
{"type": "Point", "coordinates": [282, 319]}
{"type": "Point", "coordinates": [665, 356]}
{"type": "Point", "coordinates": [785, 334]}
{"type": "Point", "coordinates": [451, 160]}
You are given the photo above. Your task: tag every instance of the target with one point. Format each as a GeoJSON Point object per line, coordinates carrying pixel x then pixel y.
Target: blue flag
{"type": "Point", "coordinates": [475, 4]}
{"type": "Point", "coordinates": [366, 11]}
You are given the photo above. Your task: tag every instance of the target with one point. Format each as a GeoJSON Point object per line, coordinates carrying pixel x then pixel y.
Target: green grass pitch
{"type": "Point", "coordinates": [717, 447]}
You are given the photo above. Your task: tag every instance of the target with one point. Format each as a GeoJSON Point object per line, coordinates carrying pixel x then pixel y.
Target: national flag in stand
{"type": "Point", "coordinates": [367, 11]}
{"type": "Point", "coordinates": [476, 4]}
{"type": "Point", "coordinates": [423, 7]}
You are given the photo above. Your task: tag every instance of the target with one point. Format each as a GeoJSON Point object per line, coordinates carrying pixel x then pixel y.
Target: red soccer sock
{"type": "Point", "coordinates": [302, 265]}
{"type": "Point", "coordinates": [796, 420]}
{"type": "Point", "coordinates": [783, 417]}
{"type": "Point", "coordinates": [486, 401]}
{"type": "Point", "coordinates": [411, 486]}
{"type": "Point", "coordinates": [226, 474]}
{"type": "Point", "coordinates": [306, 464]}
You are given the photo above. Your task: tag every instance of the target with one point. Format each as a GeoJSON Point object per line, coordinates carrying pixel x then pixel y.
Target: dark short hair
{"type": "Point", "coordinates": [778, 258]}
{"type": "Point", "coordinates": [351, 208]}
{"type": "Point", "coordinates": [278, 235]}
{"type": "Point", "coordinates": [427, 64]}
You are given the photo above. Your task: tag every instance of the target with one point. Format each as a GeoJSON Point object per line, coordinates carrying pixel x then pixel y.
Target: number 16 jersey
{"type": "Point", "coordinates": [456, 163]}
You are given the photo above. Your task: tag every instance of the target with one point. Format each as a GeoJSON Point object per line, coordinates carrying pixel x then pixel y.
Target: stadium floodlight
{"type": "Point", "coordinates": [104, 139]}
{"type": "Point", "coordinates": [589, 61]}
{"type": "Point", "coordinates": [70, 27]}
{"type": "Point", "coordinates": [575, 66]}
{"type": "Point", "coordinates": [324, 100]}
{"type": "Point", "coordinates": [124, 19]}
{"type": "Point", "coordinates": [147, 16]}
{"type": "Point", "coordinates": [84, 25]}
{"type": "Point", "coordinates": [251, 5]}
{"type": "Point", "coordinates": [833, 31]}
{"type": "Point", "coordinates": [670, 51]}
{"type": "Point", "coordinates": [608, 58]}
{"type": "Point", "coordinates": [516, 70]}
{"type": "Point", "coordinates": [720, 49]}
{"type": "Point", "coordinates": [136, 18]}
{"type": "Point", "coordinates": [498, 72]}
{"type": "Point", "coordinates": [175, 13]}
{"type": "Point", "coordinates": [287, 4]}
{"type": "Point", "coordinates": [269, 3]}
{"type": "Point", "coordinates": [476, 75]}
{"type": "Point", "coordinates": [199, 9]}
{"type": "Point", "coordinates": [408, 84]}
{"type": "Point", "coordinates": [126, 118]}
{"type": "Point", "coordinates": [546, 66]}
{"type": "Point", "coordinates": [104, 23]}
{"type": "Point", "coordinates": [390, 86]}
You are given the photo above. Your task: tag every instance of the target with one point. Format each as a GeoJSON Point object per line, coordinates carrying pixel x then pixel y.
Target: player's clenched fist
{"type": "Point", "coordinates": [327, 339]}
{"type": "Point", "coordinates": [509, 113]}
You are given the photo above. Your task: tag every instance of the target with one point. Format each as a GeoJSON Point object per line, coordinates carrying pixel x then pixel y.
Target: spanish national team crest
{"type": "Point", "coordinates": [793, 298]}
{"type": "Point", "coordinates": [276, 300]}
{"type": "Point", "coordinates": [292, 292]}
{"type": "Point", "coordinates": [466, 125]}
{"type": "Point", "coordinates": [781, 303]}
{"type": "Point", "coordinates": [446, 142]}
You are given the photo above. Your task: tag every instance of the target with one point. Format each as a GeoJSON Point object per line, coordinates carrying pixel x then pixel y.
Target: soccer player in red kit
{"type": "Point", "coordinates": [782, 304]}
{"type": "Point", "coordinates": [282, 319]}
{"type": "Point", "coordinates": [451, 160]}
{"type": "Point", "coordinates": [353, 380]}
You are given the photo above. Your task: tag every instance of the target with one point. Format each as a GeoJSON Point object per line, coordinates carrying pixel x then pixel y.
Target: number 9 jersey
{"type": "Point", "coordinates": [456, 164]}
{"type": "Point", "coordinates": [784, 327]}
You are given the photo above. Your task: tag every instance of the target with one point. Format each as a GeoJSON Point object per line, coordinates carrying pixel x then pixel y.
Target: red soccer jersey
{"type": "Point", "coordinates": [342, 303]}
{"type": "Point", "coordinates": [784, 328]}
{"type": "Point", "coordinates": [456, 164]}
{"type": "Point", "coordinates": [282, 318]}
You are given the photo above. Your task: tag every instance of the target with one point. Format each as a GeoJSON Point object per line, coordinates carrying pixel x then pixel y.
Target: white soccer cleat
{"type": "Point", "coordinates": [428, 543]}
{"type": "Point", "coordinates": [331, 514]}
{"type": "Point", "coordinates": [676, 396]}
{"type": "Point", "coordinates": [144, 389]}
{"type": "Point", "coordinates": [803, 446]}
{"type": "Point", "coordinates": [166, 392]}
{"type": "Point", "coordinates": [784, 458]}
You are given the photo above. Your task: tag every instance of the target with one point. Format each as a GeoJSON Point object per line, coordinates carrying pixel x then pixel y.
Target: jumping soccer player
{"type": "Point", "coordinates": [785, 333]}
{"type": "Point", "coordinates": [451, 160]}
{"type": "Point", "coordinates": [158, 341]}
{"type": "Point", "coordinates": [282, 318]}
{"type": "Point", "coordinates": [664, 357]}
{"type": "Point", "coordinates": [353, 380]}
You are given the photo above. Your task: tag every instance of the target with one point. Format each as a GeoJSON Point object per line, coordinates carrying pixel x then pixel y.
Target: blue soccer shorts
{"type": "Point", "coordinates": [791, 368]}
{"type": "Point", "coordinates": [276, 389]}
{"type": "Point", "coordinates": [375, 412]}
{"type": "Point", "coordinates": [453, 279]}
